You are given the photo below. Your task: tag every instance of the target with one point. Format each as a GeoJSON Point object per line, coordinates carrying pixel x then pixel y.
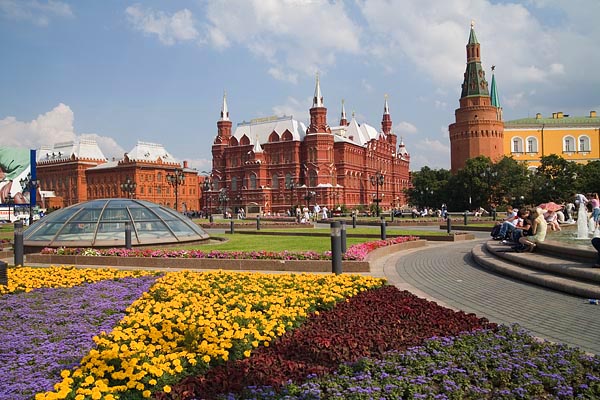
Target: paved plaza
{"type": "Point", "coordinates": [446, 273]}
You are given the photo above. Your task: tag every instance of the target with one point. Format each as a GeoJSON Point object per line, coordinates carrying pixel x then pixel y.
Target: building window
{"type": "Point", "coordinates": [584, 144]}
{"type": "Point", "coordinates": [568, 144]}
{"type": "Point", "coordinates": [532, 145]}
{"type": "Point", "coordinates": [288, 180]}
{"type": "Point", "coordinates": [234, 183]}
{"type": "Point", "coordinates": [159, 177]}
{"type": "Point", "coordinates": [517, 145]}
{"type": "Point", "coordinates": [252, 181]}
{"type": "Point", "coordinates": [312, 178]}
{"type": "Point", "coordinates": [275, 182]}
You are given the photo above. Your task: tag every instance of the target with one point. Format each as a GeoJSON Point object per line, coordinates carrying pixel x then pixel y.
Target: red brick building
{"type": "Point", "coordinates": [479, 129]}
{"type": "Point", "coordinates": [78, 171]}
{"type": "Point", "coordinates": [271, 164]}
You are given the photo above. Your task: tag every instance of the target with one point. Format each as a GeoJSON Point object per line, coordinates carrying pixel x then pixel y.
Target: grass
{"type": "Point", "coordinates": [366, 231]}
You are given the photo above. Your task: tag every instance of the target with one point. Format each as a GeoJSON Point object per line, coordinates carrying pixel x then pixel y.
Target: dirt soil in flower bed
{"type": "Point", "coordinates": [367, 325]}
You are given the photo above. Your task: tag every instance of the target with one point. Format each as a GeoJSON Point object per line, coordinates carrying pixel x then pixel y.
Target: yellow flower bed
{"type": "Point", "coordinates": [190, 321]}
{"type": "Point", "coordinates": [25, 279]}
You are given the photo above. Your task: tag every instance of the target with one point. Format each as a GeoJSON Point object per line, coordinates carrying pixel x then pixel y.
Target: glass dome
{"type": "Point", "coordinates": [101, 223]}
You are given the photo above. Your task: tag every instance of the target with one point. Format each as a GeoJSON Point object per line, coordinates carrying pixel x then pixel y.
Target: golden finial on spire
{"type": "Point", "coordinates": [472, 23]}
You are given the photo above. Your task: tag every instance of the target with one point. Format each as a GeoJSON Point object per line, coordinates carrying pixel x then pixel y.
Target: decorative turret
{"type": "Point", "coordinates": [495, 98]}
{"type": "Point", "coordinates": [402, 152]}
{"type": "Point", "coordinates": [224, 124]}
{"type": "Point", "coordinates": [343, 120]}
{"type": "Point", "coordinates": [478, 130]}
{"type": "Point", "coordinates": [386, 122]}
{"type": "Point", "coordinates": [318, 113]}
{"type": "Point", "coordinates": [474, 83]}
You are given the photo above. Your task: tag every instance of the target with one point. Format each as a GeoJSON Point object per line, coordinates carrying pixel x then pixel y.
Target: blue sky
{"type": "Point", "coordinates": [155, 71]}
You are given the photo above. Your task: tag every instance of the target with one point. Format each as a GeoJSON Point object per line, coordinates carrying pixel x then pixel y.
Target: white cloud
{"type": "Point", "coordinates": [405, 128]}
{"type": "Point", "coordinates": [50, 128]}
{"type": "Point", "coordinates": [35, 11]}
{"type": "Point", "coordinates": [431, 153]}
{"type": "Point", "coordinates": [169, 28]}
{"type": "Point", "coordinates": [281, 75]}
{"type": "Point", "coordinates": [295, 36]}
{"type": "Point", "coordinates": [366, 86]}
{"type": "Point", "coordinates": [295, 107]}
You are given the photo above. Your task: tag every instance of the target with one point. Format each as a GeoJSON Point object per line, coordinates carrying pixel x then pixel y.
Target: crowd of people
{"type": "Point", "coordinates": [524, 228]}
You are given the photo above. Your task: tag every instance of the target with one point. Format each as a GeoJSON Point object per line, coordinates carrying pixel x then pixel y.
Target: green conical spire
{"type": "Point", "coordinates": [474, 83]}
{"type": "Point", "coordinates": [472, 37]}
{"type": "Point", "coordinates": [494, 91]}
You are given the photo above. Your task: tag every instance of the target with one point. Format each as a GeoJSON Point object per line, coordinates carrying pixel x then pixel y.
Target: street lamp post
{"type": "Point", "coordinates": [308, 196]}
{"type": "Point", "coordinates": [207, 187]}
{"type": "Point", "coordinates": [30, 185]}
{"type": "Point", "coordinates": [488, 174]}
{"type": "Point", "coordinates": [176, 179]}
{"type": "Point", "coordinates": [377, 181]}
{"type": "Point", "coordinates": [223, 199]}
{"type": "Point", "coordinates": [129, 187]}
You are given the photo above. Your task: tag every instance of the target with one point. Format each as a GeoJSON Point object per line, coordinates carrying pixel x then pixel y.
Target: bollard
{"type": "Point", "coordinates": [258, 222]}
{"type": "Point", "coordinates": [392, 213]}
{"type": "Point", "coordinates": [336, 248]}
{"type": "Point", "coordinates": [127, 235]}
{"type": "Point", "coordinates": [231, 229]}
{"type": "Point", "coordinates": [343, 236]}
{"type": "Point", "coordinates": [448, 225]}
{"type": "Point", "coordinates": [353, 221]}
{"type": "Point", "coordinates": [383, 234]}
{"type": "Point", "coordinates": [3, 274]}
{"type": "Point", "coordinates": [465, 215]}
{"type": "Point", "coordinates": [18, 243]}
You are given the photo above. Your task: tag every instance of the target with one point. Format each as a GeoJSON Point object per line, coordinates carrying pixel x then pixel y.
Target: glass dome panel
{"type": "Point", "coordinates": [101, 223]}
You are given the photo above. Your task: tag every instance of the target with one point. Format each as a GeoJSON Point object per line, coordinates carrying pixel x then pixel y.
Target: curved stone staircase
{"type": "Point", "coordinates": [553, 265]}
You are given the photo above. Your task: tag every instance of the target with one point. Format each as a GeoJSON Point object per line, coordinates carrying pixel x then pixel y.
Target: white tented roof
{"type": "Point", "coordinates": [81, 148]}
{"type": "Point", "coordinates": [260, 128]}
{"type": "Point", "coordinates": [144, 151]}
{"type": "Point", "coordinates": [360, 134]}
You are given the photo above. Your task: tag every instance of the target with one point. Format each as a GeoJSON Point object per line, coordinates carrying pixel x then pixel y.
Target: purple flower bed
{"type": "Point", "coordinates": [48, 330]}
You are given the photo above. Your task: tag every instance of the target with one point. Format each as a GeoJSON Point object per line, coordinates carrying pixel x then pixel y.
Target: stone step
{"type": "Point", "coordinates": [548, 259]}
{"type": "Point", "coordinates": [517, 269]}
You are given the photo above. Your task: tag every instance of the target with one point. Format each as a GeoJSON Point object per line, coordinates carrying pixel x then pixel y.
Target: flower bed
{"type": "Point", "coordinates": [221, 332]}
{"type": "Point", "coordinates": [356, 252]}
{"type": "Point", "coordinates": [189, 322]}
{"type": "Point", "coordinates": [369, 324]}
{"type": "Point", "coordinates": [49, 330]}
{"type": "Point", "coordinates": [506, 363]}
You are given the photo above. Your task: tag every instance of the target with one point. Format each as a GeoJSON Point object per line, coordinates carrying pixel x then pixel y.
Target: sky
{"type": "Point", "coordinates": [155, 71]}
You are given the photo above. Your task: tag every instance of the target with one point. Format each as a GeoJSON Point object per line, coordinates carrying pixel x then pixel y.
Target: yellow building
{"type": "Point", "coordinates": [573, 138]}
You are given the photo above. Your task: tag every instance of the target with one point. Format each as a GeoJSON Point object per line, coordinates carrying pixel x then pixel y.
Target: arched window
{"type": "Point", "coordinates": [532, 145]}
{"type": "Point", "coordinates": [275, 181]}
{"type": "Point", "coordinates": [252, 181]}
{"type": "Point", "coordinates": [234, 183]}
{"type": "Point", "coordinates": [584, 144]}
{"type": "Point", "coordinates": [517, 145]}
{"type": "Point", "coordinates": [216, 184]}
{"type": "Point", "coordinates": [312, 178]}
{"type": "Point", "coordinates": [288, 180]}
{"type": "Point", "coordinates": [568, 144]}
{"type": "Point", "coordinates": [159, 177]}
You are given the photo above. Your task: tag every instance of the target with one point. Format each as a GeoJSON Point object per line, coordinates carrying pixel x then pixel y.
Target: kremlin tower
{"type": "Point", "coordinates": [479, 129]}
